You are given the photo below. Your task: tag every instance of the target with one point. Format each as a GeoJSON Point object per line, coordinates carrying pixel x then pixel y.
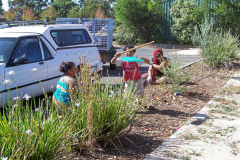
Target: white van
{"type": "Point", "coordinates": [41, 48]}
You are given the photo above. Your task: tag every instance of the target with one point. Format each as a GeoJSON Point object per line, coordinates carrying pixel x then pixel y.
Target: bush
{"type": "Point", "coordinates": [143, 18]}
{"type": "Point", "coordinates": [183, 23]}
{"type": "Point", "coordinates": [218, 48]}
{"type": "Point", "coordinates": [175, 75]}
{"type": "Point", "coordinates": [125, 37]}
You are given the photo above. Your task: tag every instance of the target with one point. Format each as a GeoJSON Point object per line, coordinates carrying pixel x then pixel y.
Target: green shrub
{"type": "Point", "coordinates": [218, 48]}
{"type": "Point", "coordinates": [175, 75]}
{"type": "Point", "coordinates": [183, 23]}
{"type": "Point", "coordinates": [143, 18]}
{"type": "Point", "coordinates": [125, 37]}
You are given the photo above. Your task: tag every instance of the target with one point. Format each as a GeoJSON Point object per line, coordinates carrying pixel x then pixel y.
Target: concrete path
{"type": "Point", "coordinates": [212, 134]}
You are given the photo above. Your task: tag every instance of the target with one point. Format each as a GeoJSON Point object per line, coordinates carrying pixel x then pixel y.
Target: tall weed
{"type": "Point", "coordinates": [218, 48]}
{"type": "Point", "coordinates": [25, 134]}
{"type": "Point", "coordinates": [105, 110]}
{"type": "Point", "coordinates": [175, 75]}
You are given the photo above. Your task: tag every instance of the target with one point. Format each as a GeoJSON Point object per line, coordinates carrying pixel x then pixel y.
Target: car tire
{"type": "Point", "coordinates": [113, 66]}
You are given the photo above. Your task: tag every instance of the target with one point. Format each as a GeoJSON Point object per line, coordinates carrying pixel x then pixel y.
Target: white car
{"type": "Point", "coordinates": [41, 49]}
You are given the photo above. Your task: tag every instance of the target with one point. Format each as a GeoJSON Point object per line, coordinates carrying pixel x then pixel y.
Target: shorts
{"type": "Point", "coordinates": [137, 86]}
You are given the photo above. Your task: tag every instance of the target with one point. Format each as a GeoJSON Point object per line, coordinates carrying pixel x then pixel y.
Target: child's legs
{"type": "Point", "coordinates": [136, 86]}
{"type": "Point", "coordinates": [140, 88]}
{"type": "Point", "coordinates": [144, 76]}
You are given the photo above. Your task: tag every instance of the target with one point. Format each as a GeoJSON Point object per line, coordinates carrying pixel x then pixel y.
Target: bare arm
{"type": "Point", "coordinates": [145, 60]}
{"type": "Point", "coordinates": [72, 86]}
{"type": "Point", "coordinates": [117, 55]}
{"type": "Point", "coordinates": [161, 66]}
{"type": "Point", "coordinates": [150, 71]}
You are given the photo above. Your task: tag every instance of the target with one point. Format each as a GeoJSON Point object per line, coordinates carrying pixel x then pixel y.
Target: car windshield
{"type": "Point", "coordinates": [6, 44]}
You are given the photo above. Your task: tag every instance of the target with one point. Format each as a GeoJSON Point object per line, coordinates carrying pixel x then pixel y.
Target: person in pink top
{"type": "Point", "coordinates": [131, 70]}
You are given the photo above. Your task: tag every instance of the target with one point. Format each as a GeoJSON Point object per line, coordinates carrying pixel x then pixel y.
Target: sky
{"type": "Point", "coordinates": [5, 5]}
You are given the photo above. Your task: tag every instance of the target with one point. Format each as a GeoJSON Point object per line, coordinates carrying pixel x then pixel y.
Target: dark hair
{"type": "Point", "coordinates": [65, 66]}
{"type": "Point", "coordinates": [129, 46]}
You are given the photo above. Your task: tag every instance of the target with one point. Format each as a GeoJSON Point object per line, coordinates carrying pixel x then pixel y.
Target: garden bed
{"type": "Point", "coordinates": [163, 114]}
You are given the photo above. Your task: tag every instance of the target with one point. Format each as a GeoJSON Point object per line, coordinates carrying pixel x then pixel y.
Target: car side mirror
{"type": "Point", "coordinates": [20, 60]}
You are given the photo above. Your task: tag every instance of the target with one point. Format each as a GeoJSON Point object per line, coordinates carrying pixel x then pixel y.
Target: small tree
{"type": "Point", "coordinates": [99, 14]}
{"type": "Point", "coordinates": [49, 12]}
{"type": "Point", "coordinates": [74, 12]}
{"type": "Point", "coordinates": [28, 15]}
{"type": "Point", "coordinates": [9, 15]}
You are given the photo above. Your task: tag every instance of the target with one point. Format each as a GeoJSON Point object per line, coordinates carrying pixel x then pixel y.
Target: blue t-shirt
{"type": "Point", "coordinates": [62, 91]}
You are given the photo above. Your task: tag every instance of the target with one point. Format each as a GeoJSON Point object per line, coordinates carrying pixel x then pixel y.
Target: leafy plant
{"type": "Point", "coordinates": [183, 20]}
{"type": "Point", "coordinates": [28, 15]}
{"type": "Point", "coordinates": [143, 18]}
{"type": "Point", "coordinates": [218, 48]}
{"type": "Point", "coordinates": [175, 75]}
{"type": "Point", "coordinates": [9, 15]}
{"type": "Point", "coordinates": [125, 37]}
{"type": "Point", "coordinates": [48, 12]}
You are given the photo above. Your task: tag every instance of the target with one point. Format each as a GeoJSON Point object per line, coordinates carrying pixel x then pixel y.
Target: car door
{"type": "Point", "coordinates": [27, 76]}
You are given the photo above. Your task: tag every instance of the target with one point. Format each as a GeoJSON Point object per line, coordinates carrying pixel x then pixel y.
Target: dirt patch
{"type": "Point", "coordinates": [164, 114]}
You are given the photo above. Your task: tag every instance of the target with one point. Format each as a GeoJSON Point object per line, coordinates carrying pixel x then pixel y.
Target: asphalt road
{"type": "Point", "coordinates": [187, 55]}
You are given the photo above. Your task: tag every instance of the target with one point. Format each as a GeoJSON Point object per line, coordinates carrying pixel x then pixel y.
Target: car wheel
{"type": "Point", "coordinates": [113, 66]}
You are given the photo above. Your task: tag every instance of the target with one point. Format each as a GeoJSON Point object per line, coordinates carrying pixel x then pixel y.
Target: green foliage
{"type": "Point", "coordinates": [1, 9]}
{"type": "Point", "coordinates": [218, 48]}
{"type": "Point", "coordinates": [74, 12]}
{"type": "Point", "coordinates": [25, 134]}
{"type": "Point", "coordinates": [125, 37]}
{"type": "Point", "coordinates": [17, 7]}
{"type": "Point", "coordinates": [62, 7]}
{"type": "Point", "coordinates": [9, 15]}
{"type": "Point", "coordinates": [183, 27]}
{"type": "Point", "coordinates": [175, 75]}
{"type": "Point", "coordinates": [142, 18]}
{"type": "Point", "coordinates": [227, 15]}
{"type": "Point", "coordinates": [91, 7]}
{"type": "Point", "coordinates": [48, 12]}
{"type": "Point", "coordinates": [105, 109]}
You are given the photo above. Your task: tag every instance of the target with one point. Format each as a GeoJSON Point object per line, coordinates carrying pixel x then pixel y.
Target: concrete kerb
{"type": "Point", "coordinates": [175, 147]}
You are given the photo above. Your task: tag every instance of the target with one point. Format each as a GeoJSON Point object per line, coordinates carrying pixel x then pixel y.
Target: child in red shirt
{"type": "Point", "coordinates": [131, 70]}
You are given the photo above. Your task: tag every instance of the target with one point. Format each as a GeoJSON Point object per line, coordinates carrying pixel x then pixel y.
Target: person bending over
{"type": "Point", "coordinates": [66, 84]}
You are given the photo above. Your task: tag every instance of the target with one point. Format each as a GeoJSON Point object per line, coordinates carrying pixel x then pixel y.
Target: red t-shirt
{"type": "Point", "coordinates": [131, 70]}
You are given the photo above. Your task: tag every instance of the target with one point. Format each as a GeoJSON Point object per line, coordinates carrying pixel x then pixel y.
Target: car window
{"type": "Point", "coordinates": [46, 52]}
{"type": "Point", "coordinates": [6, 44]}
{"type": "Point", "coordinates": [71, 37]}
{"type": "Point", "coordinates": [29, 48]}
